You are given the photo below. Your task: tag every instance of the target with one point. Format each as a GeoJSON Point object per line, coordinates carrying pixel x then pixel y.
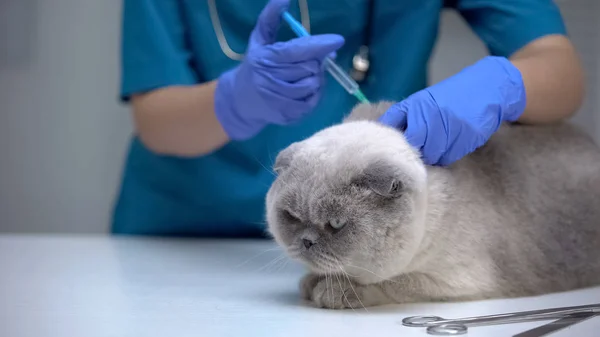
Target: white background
{"type": "Point", "coordinates": [63, 134]}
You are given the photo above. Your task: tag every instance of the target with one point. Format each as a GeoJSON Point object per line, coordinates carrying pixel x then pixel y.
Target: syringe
{"type": "Point", "coordinates": [334, 70]}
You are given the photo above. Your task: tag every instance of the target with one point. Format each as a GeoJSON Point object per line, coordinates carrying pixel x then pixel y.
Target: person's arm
{"type": "Point", "coordinates": [173, 107]}
{"type": "Point", "coordinates": [177, 113]}
{"type": "Point", "coordinates": [531, 76]}
{"type": "Point", "coordinates": [532, 35]}
{"type": "Point", "coordinates": [553, 79]}
{"type": "Point", "coordinates": [179, 120]}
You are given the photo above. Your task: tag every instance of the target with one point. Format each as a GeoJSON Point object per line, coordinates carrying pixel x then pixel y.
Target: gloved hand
{"type": "Point", "coordinates": [277, 82]}
{"type": "Point", "coordinates": [456, 116]}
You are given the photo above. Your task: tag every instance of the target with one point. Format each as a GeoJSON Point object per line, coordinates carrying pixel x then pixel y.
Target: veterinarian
{"type": "Point", "coordinates": [215, 96]}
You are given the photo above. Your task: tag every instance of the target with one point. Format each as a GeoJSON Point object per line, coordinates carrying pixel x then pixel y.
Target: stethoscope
{"type": "Point", "coordinates": [360, 61]}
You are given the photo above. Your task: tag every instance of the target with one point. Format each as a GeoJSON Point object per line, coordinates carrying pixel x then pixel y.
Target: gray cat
{"type": "Point", "coordinates": [520, 216]}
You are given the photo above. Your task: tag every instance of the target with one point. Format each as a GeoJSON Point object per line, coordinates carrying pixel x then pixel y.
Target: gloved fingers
{"type": "Point", "coordinates": [265, 31]}
{"type": "Point", "coordinates": [313, 100]}
{"type": "Point", "coordinates": [407, 116]}
{"type": "Point", "coordinates": [426, 127]}
{"type": "Point", "coordinates": [416, 134]}
{"type": "Point", "coordinates": [448, 146]}
{"type": "Point", "coordinates": [440, 130]}
{"type": "Point", "coordinates": [289, 72]}
{"type": "Point", "coordinates": [307, 87]}
{"type": "Point", "coordinates": [298, 90]}
{"type": "Point", "coordinates": [395, 117]}
{"type": "Point", "coordinates": [288, 110]}
{"type": "Point", "coordinates": [299, 108]}
{"type": "Point", "coordinates": [305, 48]}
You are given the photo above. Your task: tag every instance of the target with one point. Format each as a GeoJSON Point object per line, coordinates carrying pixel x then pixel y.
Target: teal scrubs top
{"type": "Point", "coordinates": [173, 42]}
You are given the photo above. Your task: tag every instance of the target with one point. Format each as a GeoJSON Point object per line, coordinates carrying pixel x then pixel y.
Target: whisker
{"type": "Point", "coordinates": [267, 266]}
{"type": "Point", "coordinates": [269, 170]}
{"type": "Point", "coordinates": [350, 282]}
{"type": "Point", "coordinates": [333, 298]}
{"type": "Point", "coordinates": [326, 282]}
{"type": "Point", "coordinates": [343, 292]}
{"type": "Point", "coordinates": [367, 270]}
{"type": "Point", "coordinates": [264, 166]}
{"type": "Point", "coordinates": [257, 255]}
{"type": "Point", "coordinates": [280, 263]}
{"type": "Point", "coordinates": [325, 264]}
{"type": "Point", "coordinates": [271, 263]}
{"type": "Point", "coordinates": [354, 290]}
{"type": "Point", "coordinates": [285, 263]}
{"type": "Point", "coordinates": [275, 263]}
{"type": "Point", "coordinates": [327, 258]}
{"type": "Point", "coordinates": [269, 154]}
{"type": "Point", "coordinates": [294, 254]}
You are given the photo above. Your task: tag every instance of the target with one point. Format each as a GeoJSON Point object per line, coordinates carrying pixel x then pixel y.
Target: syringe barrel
{"type": "Point", "coordinates": [341, 76]}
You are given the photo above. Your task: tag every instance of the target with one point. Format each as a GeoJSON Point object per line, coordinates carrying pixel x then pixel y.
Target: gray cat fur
{"type": "Point", "coordinates": [518, 217]}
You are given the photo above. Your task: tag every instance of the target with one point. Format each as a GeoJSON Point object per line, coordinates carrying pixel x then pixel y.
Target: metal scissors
{"type": "Point", "coordinates": [451, 327]}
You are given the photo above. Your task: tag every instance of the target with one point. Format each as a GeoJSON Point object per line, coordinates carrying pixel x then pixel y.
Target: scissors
{"type": "Point", "coordinates": [451, 327]}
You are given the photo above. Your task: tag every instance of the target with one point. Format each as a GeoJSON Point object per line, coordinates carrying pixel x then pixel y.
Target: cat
{"type": "Point", "coordinates": [520, 216]}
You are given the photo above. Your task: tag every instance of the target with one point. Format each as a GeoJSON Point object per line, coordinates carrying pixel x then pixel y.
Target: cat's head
{"type": "Point", "coordinates": [351, 196]}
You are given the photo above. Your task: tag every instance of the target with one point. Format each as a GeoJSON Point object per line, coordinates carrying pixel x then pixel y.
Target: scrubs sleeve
{"type": "Point", "coordinates": [505, 26]}
{"type": "Point", "coordinates": [154, 52]}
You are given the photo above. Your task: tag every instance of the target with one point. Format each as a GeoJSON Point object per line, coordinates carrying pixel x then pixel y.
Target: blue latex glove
{"type": "Point", "coordinates": [456, 116]}
{"type": "Point", "coordinates": [277, 82]}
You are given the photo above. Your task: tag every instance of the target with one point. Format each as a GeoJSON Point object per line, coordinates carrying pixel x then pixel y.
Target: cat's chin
{"type": "Point", "coordinates": [312, 267]}
{"type": "Point", "coordinates": [315, 267]}
{"type": "Point", "coordinates": [322, 272]}
{"type": "Point", "coordinates": [316, 270]}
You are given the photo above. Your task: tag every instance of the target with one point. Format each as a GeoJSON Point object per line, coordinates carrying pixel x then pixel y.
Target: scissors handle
{"type": "Point", "coordinates": [421, 321]}
{"type": "Point", "coordinates": [447, 330]}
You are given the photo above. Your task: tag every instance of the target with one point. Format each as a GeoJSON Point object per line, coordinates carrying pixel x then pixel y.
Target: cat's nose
{"type": "Point", "coordinates": [307, 243]}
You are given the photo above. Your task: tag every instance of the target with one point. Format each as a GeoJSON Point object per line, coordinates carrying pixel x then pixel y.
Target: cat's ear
{"type": "Point", "coordinates": [284, 158]}
{"type": "Point", "coordinates": [383, 178]}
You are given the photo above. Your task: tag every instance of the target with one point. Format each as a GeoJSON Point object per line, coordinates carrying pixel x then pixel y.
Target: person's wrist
{"type": "Point", "coordinates": [511, 87]}
{"type": "Point", "coordinates": [232, 121]}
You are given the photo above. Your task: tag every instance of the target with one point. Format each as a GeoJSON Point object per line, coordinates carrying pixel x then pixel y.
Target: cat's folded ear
{"type": "Point", "coordinates": [383, 178]}
{"type": "Point", "coordinates": [368, 111]}
{"type": "Point", "coordinates": [284, 158]}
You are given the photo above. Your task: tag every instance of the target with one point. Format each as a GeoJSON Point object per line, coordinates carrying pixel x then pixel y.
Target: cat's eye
{"type": "Point", "coordinates": [289, 216]}
{"type": "Point", "coordinates": [336, 224]}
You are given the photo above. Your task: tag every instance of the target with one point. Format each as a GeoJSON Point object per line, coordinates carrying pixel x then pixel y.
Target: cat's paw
{"type": "Point", "coordinates": [332, 292]}
{"type": "Point", "coordinates": [307, 284]}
